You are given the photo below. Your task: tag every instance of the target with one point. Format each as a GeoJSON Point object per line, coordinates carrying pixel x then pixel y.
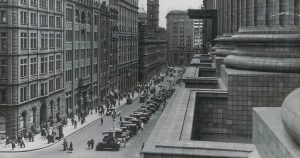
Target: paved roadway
{"type": "Point", "coordinates": [132, 149]}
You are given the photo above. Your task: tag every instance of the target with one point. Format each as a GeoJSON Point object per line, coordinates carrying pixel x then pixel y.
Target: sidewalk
{"type": "Point", "coordinates": [40, 143]}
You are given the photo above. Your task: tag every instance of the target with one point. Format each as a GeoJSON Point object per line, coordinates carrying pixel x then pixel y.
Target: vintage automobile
{"type": "Point", "coordinates": [143, 114]}
{"type": "Point", "coordinates": [144, 110]}
{"type": "Point", "coordinates": [140, 117]}
{"type": "Point", "coordinates": [143, 98]}
{"type": "Point", "coordinates": [152, 109]}
{"type": "Point", "coordinates": [128, 101]}
{"type": "Point", "coordinates": [118, 133]}
{"type": "Point", "coordinates": [134, 120]}
{"type": "Point", "coordinates": [110, 145]}
{"type": "Point", "coordinates": [131, 127]}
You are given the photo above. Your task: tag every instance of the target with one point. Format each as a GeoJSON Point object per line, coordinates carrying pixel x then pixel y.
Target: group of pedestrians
{"type": "Point", "coordinates": [91, 143]}
{"type": "Point", "coordinates": [66, 147]}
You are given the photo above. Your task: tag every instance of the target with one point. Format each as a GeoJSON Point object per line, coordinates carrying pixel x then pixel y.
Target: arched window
{"type": "Point", "coordinates": [77, 16]}
{"type": "Point", "coordinates": [89, 19]}
{"type": "Point", "coordinates": [83, 19]}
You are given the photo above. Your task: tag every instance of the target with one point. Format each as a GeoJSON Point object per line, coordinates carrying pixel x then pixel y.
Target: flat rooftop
{"type": "Point", "coordinates": [172, 134]}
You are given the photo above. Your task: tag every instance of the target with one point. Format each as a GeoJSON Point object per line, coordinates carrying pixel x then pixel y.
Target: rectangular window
{"type": "Point", "coordinates": [69, 55]}
{"type": "Point", "coordinates": [69, 34]}
{"type": "Point", "coordinates": [82, 72]}
{"type": "Point", "coordinates": [51, 21]}
{"type": "Point", "coordinates": [23, 68]}
{"type": "Point", "coordinates": [33, 19]}
{"type": "Point", "coordinates": [82, 54]}
{"type": "Point", "coordinates": [58, 83]}
{"type": "Point", "coordinates": [69, 14]}
{"type": "Point", "coordinates": [24, 40]}
{"type": "Point", "coordinates": [44, 40]}
{"type": "Point", "coordinates": [44, 89]}
{"type": "Point", "coordinates": [59, 40]}
{"type": "Point", "coordinates": [3, 41]}
{"type": "Point", "coordinates": [44, 65]}
{"type": "Point", "coordinates": [69, 76]}
{"type": "Point", "coordinates": [43, 20]}
{"type": "Point", "coordinates": [23, 1]}
{"type": "Point", "coordinates": [95, 68]}
{"type": "Point", "coordinates": [3, 68]}
{"type": "Point", "coordinates": [24, 17]}
{"type": "Point", "coordinates": [51, 86]}
{"type": "Point", "coordinates": [23, 95]}
{"type": "Point", "coordinates": [33, 40]}
{"type": "Point", "coordinates": [51, 64]}
{"type": "Point", "coordinates": [3, 16]}
{"type": "Point", "coordinates": [33, 3]}
{"type": "Point", "coordinates": [51, 4]}
{"type": "Point", "coordinates": [43, 4]}
{"type": "Point", "coordinates": [76, 73]}
{"type": "Point", "coordinates": [76, 36]}
{"type": "Point", "coordinates": [58, 62]}
{"type": "Point", "coordinates": [33, 66]}
{"type": "Point", "coordinates": [77, 54]}
{"type": "Point", "coordinates": [51, 41]}
{"type": "Point", "coordinates": [59, 5]}
{"type": "Point", "coordinates": [33, 91]}
{"type": "Point", "coordinates": [58, 22]}
{"type": "Point", "coordinates": [95, 36]}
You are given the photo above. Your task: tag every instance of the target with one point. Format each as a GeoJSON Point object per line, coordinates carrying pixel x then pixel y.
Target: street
{"type": "Point", "coordinates": [79, 139]}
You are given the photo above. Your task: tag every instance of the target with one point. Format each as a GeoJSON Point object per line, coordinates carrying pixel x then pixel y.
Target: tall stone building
{"type": "Point", "coordinates": [128, 44]}
{"type": "Point", "coordinates": [86, 25]}
{"type": "Point", "coordinates": [180, 37]}
{"type": "Point", "coordinates": [31, 64]}
{"type": "Point", "coordinates": [152, 49]}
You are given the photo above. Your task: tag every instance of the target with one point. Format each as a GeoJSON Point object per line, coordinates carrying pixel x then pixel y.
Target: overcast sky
{"type": "Point", "coordinates": [168, 5]}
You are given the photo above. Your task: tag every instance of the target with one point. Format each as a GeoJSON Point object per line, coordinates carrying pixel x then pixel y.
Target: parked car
{"type": "Point", "coordinates": [111, 145]}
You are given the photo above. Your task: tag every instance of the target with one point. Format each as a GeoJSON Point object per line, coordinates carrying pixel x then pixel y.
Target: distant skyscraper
{"type": "Point", "coordinates": [153, 15]}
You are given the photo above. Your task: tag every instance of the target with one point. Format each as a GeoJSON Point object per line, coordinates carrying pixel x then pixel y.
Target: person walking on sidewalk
{"type": "Point", "coordinates": [22, 143]}
{"type": "Point", "coordinates": [71, 147]}
{"type": "Point", "coordinates": [72, 121]}
{"type": "Point", "coordinates": [89, 143]}
{"type": "Point", "coordinates": [92, 142]}
{"type": "Point", "coordinates": [13, 145]}
{"type": "Point", "coordinates": [101, 119]}
{"type": "Point", "coordinates": [75, 124]}
{"type": "Point", "coordinates": [65, 144]}
{"type": "Point", "coordinates": [142, 148]}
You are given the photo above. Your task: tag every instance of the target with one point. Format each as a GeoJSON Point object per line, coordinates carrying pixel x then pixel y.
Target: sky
{"type": "Point", "coordinates": [168, 5]}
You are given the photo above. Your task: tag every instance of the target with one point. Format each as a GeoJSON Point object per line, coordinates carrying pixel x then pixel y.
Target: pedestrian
{"type": "Point", "coordinates": [19, 140]}
{"type": "Point", "coordinates": [89, 143]}
{"type": "Point", "coordinates": [142, 148]}
{"type": "Point", "coordinates": [121, 119]}
{"type": "Point", "coordinates": [142, 126]}
{"type": "Point", "coordinates": [71, 147]}
{"type": "Point", "coordinates": [13, 145]}
{"type": "Point", "coordinates": [132, 93]}
{"type": "Point", "coordinates": [65, 144]}
{"type": "Point", "coordinates": [92, 143]}
{"type": "Point", "coordinates": [101, 121]}
{"type": "Point", "coordinates": [30, 136]}
{"type": "Point", "coordinates": [22, 143]}
{"type": "Point", "coordinates": [75, 124]}
{"type": "Point", "coordinates": [72, 121]}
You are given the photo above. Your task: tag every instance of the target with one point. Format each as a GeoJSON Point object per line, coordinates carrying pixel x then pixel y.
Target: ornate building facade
{"type": "Point", "coordinates": [128, 44]}
{"type": "Point", "coordinates": [31, 59]}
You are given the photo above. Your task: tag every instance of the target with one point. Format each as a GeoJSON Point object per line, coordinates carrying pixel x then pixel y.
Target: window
{"type": "Point", "coordinates": [82, 54]}
{"type": "Point", "coordinates": [51, 41]}
{"type": "Point", "coordinates": [3, 68]}
{"type": "Point", "coordinates": [95, 68]}
{"type": "Point", "coordinates": [69, 34]}
{"type": "Point", "coordinates": [88, 36]}
{"type": "Point", "coordinates": [33, 66]}
{"type": "Point", "coordinates": [77, 18]}
{"type": "Point", "coordinates": [88, 70]}
{"type": "Point", "coordinates": [69, 14]}
{"type": "Point", "coordinates": [77, 54]}
{"type": "Point", "coordinates": [23, 1]}
{"type": "Point", "coordinates": [82, 72]}
{"type": "Point", "coordinates": [51, 21]}
{"type": "Point", "coordinates": [59, 40]}
{"type": "Point", "coordinates": [96, 18]}
{"type": "Point", "coordinates": [51, 85]}
{"type": "Point", "coordinates": [69, 55]}
{"type": "Point", "coordinates": [95, 36]}
{"type": "Point", "coordinates": [24, 40]}
{"type": "Point", "coordinates": [33, 91]}
{"type": "Point", "coordinates": [43, 20]}
{"type": "Point", "coordinates": [3, 41]}
{"type": "Point", "coordinates": [59, 6]}
{"type": "Point", "coordinates": [24, 17]}
{"type": "Point", "coordinates": [44, 89]}
{"type": "Point", "coordinates": [3, 99]}
{"type": "Point", "coordinates": [43, 4]}
{"type": "Point", "coordinates": [23, 95]}
{"type": "Point", "coordinates": [82, 35]}
{"type": "Point", "coordinates": [58, 83]}
{"type": "Point", "coordinates": [33, 3]}
{"type": "Point", "coordinates": [33, 41]}
{"type": "Point", "coordinates": [3, 16]}
{"type": "Point", "coordinates": [95, 52]}
{"type": "Point", "coordinates": [33, 19]}
{"type": "Point", "coordinates": [69, 76]}
{"type": "Point", "coordinates": [44, 65]}
{"type": "Point", "coordinates": [76, 73]}
{"type": "Point", "coordinates": [58, 62]}
{"type": "Point", "coordinates": [44, 40]}
{"type": "Point", "coordinates": [77, 36]}
{"type": "Point", "coordinates": [51, 4]}
{"type": "Point", "coordinates": [51, 63]}
{"type": "Point", "coordinates": [58, 22]}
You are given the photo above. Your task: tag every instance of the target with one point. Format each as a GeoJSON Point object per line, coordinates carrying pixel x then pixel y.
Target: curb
{"type": "Point", "coordinates": [88, 125]}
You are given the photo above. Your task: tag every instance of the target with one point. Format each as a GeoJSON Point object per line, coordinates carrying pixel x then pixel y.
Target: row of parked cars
{"type": "Point", "coordinates": [130, 125]}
